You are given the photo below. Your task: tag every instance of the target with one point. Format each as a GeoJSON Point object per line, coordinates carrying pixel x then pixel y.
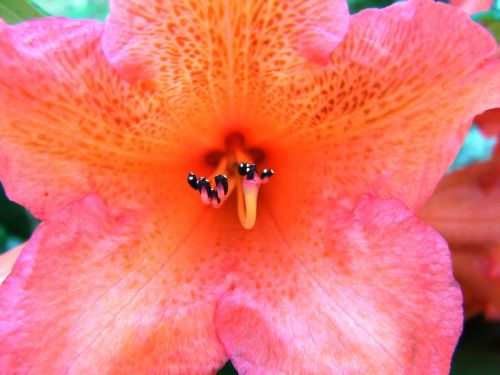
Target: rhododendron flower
{"type": "Point", "coordinates": [325, 269]}
{"type": "Point", "coordinates": [465, 209]}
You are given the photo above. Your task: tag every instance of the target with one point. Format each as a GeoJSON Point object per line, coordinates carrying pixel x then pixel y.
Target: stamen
{"type": "Point", "coordinates": [266, 174]}
{"type": "Point", "coordinates": [242, 168]}
{"type": "Point", "coordinates": [247, 181]}
{"type": "Point", "coordinates": [214, 197]}
{"type": "Point", "coordinates": [192, 180]}
{"type": "Point", "coordinates": [221, 184]}
{"type": "Point", "coordinates": [205, 190]}
{"type": "Point", "coordinates": [250, 171]}
{"type": "Point", "coordinates": [211, 195]}
{"type": "Point", "coordinates": [203, 183]}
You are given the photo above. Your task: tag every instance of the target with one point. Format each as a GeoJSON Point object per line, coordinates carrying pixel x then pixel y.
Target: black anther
{"type": "Point", "coordinates": [192, 180]}
{"type": "Point", "coordinates": [266, 173]}
{"type": "Point", "coordinates": [242, 169]}
{"type": "Point", "coordinates": [221, 179]}
{"type": "Point", "coordinates": [204, 183]}
{"type": "Point", "coordinates": [250, 171]}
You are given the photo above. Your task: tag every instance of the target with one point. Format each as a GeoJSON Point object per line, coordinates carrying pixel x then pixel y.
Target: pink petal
{"type": "Point", "coordinates": [94, 293]}
{"type": "Point", "coordinates": [7, 261]}
{"type": "Point", "coordinates": [367, 291]}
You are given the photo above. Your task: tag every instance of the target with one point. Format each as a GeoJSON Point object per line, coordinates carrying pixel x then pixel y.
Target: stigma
{"type": "Point", "coordinates": [243, 177]}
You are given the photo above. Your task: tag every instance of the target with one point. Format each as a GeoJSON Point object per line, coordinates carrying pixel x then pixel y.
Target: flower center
{"type": "Point", "coordinates": [235, 170]}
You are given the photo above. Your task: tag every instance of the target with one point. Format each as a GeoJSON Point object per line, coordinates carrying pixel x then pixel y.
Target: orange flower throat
{"type": "Point", "coordinates": [235, 170]}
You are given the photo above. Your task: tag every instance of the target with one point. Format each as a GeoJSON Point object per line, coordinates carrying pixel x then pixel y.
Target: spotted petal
{"type": "Point", "coordinates": [71, 126]}
{"type": "Point", "coordinates": [217, 34]}
{"type": "Point", "coordinates": [391, 111]}
{"type": "Point", "coordinates": [58, 99]}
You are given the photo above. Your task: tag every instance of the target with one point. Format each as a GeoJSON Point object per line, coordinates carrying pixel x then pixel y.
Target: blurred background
{"type": "Point", "coordinates": [478, 351]}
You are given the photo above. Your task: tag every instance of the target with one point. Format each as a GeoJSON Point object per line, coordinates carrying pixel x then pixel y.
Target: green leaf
{"type": "Point", "coordinates": [490, 20]}
{"type": "Point", "coordinates": [3, 238]}
{"type": "Point", "coordinates": [14, 219]}
{"type": "Point", "coordinates": [477, 350]}
{"type": "Point", "coordinates": [228, 369]}
{"type": "Point", "coordinates": [476, 362]}
{"type": "Point", "coordinates": [97, 9]}
{"type": "Point", "coordinates": [15, 11]}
